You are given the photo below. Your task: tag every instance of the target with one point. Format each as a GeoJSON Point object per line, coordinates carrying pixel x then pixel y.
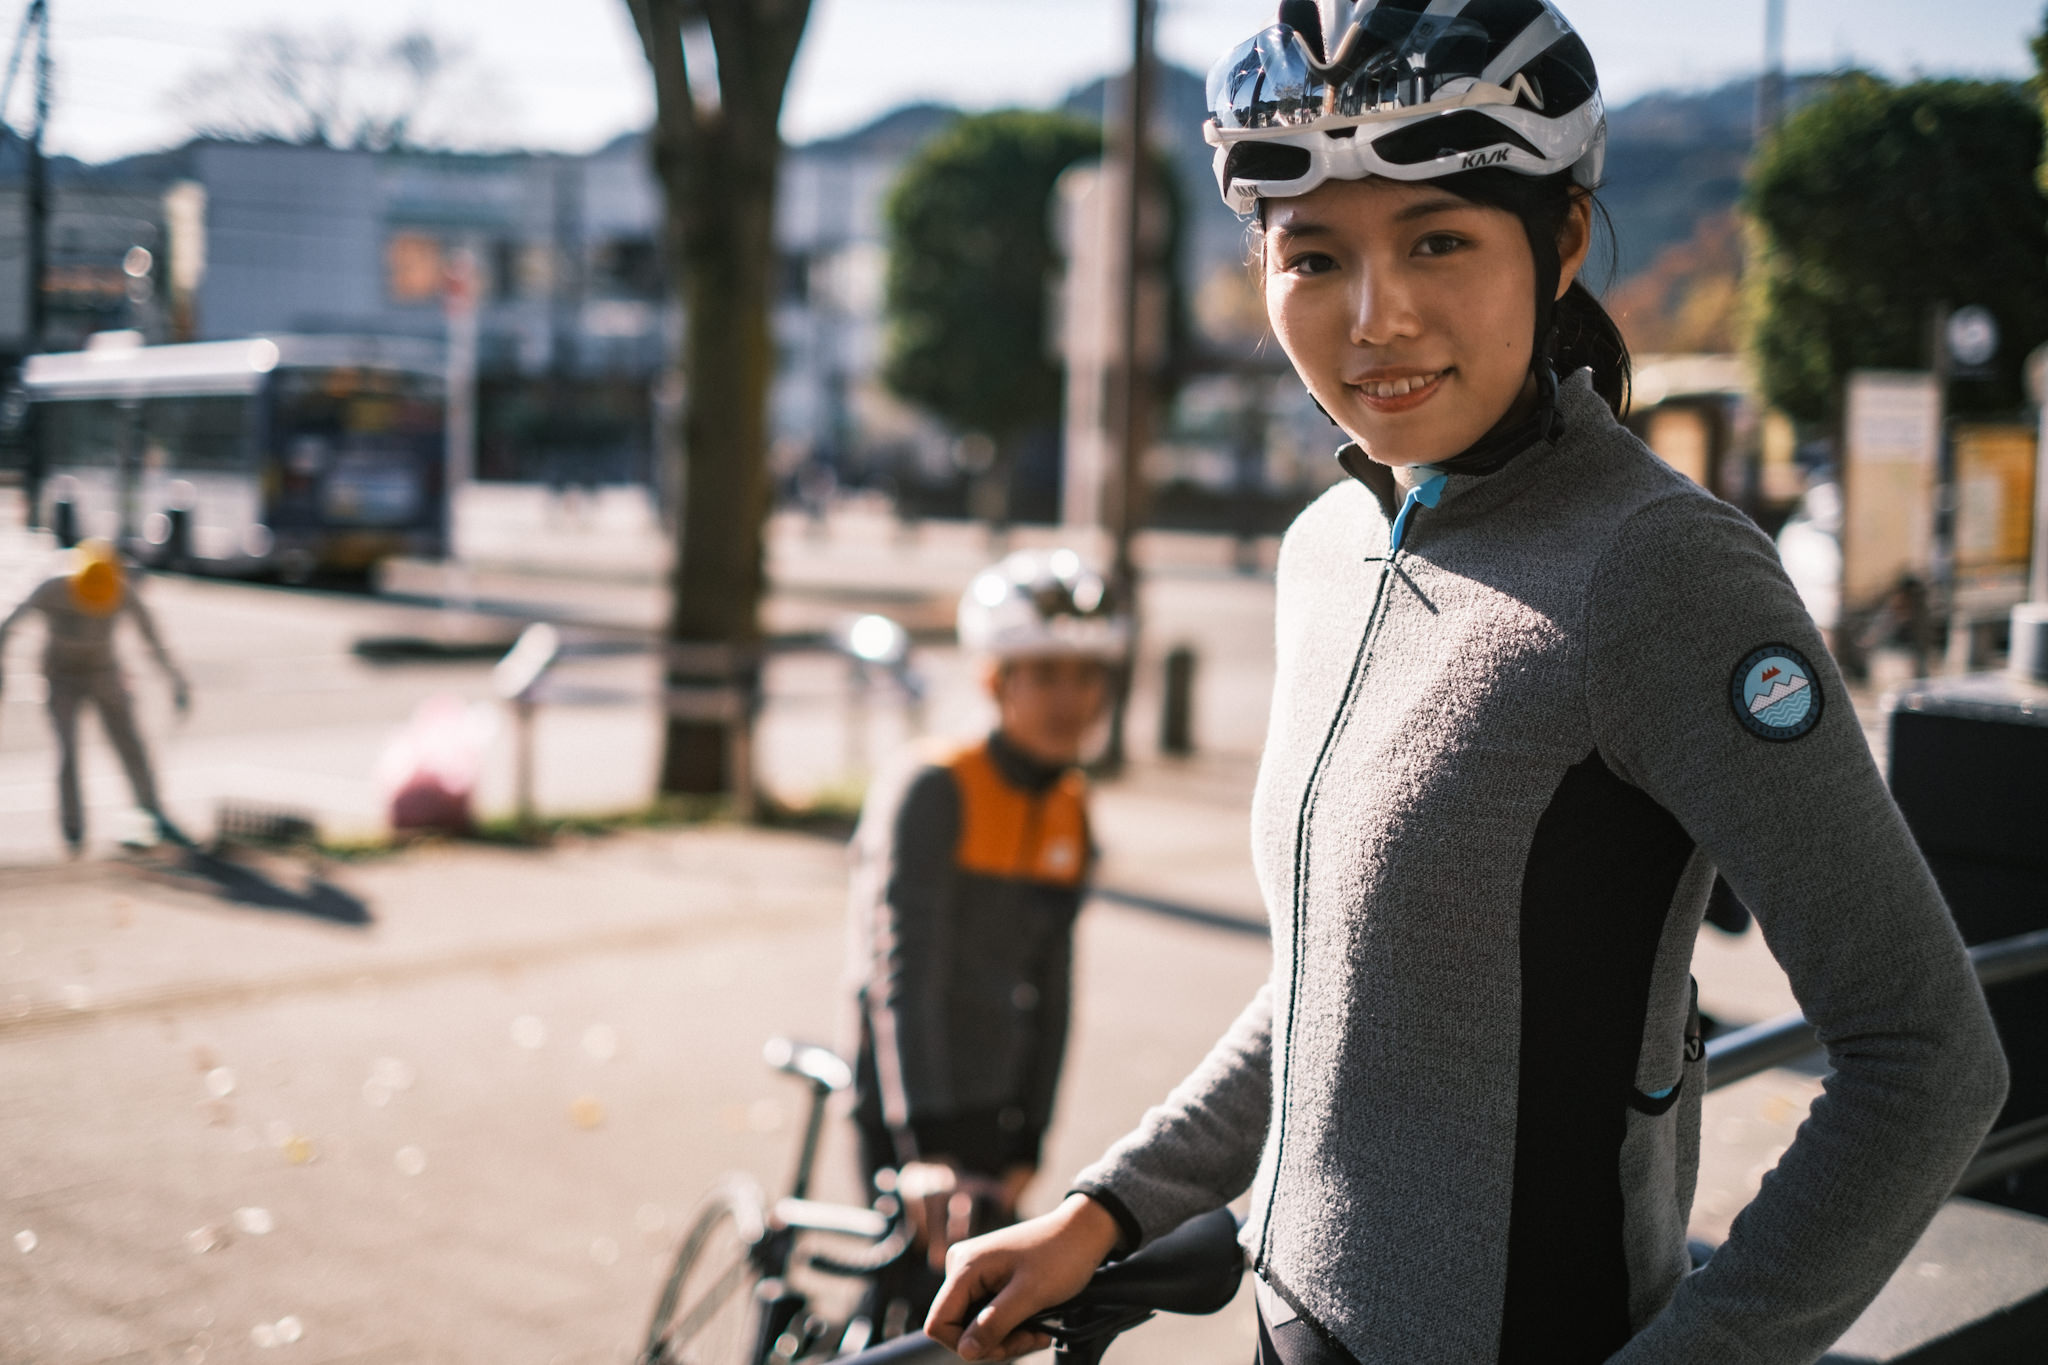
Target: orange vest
{"type": "Point", "coordinates": [1016, 835]}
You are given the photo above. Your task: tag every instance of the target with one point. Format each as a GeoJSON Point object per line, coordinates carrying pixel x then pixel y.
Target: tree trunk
{"type": "Point", "coordinates": [716, 159]}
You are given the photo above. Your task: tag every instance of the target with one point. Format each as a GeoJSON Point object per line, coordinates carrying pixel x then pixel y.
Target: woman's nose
{"type": "Point", "coordinates": [1382, 310]}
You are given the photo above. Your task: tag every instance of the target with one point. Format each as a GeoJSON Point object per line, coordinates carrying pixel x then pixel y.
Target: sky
{"type": "Point", "coordinates": [569, 74]}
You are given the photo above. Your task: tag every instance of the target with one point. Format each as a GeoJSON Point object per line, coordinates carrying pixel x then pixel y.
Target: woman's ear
{"type": "Point", "coordinates": [1574, 239]}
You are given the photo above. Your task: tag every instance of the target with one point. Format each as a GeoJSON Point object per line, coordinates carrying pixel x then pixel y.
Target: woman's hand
{"type": "Point", "coordinates": [994, 1283]}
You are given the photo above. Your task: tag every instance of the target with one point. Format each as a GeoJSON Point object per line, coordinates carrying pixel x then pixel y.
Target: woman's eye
{"type": "Point", "coordinates": [1438, 244]}
{"type": "Point", "coordinates": [1310, 263]}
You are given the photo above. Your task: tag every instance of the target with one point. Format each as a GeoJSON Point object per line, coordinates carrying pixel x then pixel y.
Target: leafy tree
{"type": "Point", "coordinates": [716, 147]}
{"type": "Point", "coordinates": [1874, 203]}
{"type": "Point", "coordinates": [970, 259]}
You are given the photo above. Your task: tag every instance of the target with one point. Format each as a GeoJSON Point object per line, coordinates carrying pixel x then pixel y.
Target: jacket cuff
{"type": "Point", "coordinates": [1130, 1235]}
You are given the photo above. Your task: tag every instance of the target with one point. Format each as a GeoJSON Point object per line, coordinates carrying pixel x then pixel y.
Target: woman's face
{"type": "Point", "coordinates": [1410, 313]}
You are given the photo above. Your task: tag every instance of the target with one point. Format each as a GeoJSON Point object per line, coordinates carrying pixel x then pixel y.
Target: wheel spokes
{"type": "Point", "coordinates": [705, 1308]}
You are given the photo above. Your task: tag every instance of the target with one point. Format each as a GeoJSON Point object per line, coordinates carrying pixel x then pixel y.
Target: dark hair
{"type": "Point", "coordinates": [1579, 332]}
{"type": "Point", "coordinates": [1576, 332]}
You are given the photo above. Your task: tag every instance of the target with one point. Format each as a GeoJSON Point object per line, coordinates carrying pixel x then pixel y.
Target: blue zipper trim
{"type": "Point", "coordinates": [1429, 493]}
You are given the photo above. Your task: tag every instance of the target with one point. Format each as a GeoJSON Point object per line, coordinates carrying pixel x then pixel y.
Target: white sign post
{"type": "Point", "coordinates": [1889, 470]}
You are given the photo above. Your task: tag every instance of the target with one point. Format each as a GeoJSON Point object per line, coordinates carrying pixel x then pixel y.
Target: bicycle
{"type": "Point", "coordinates": [728, 1299]}
{"type": "Point", "coordinates": [1194, 1270]}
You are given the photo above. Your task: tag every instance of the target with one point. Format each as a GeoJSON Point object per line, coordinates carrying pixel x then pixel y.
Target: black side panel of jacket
{"type": "Point", "coordinates": [1602, 871]}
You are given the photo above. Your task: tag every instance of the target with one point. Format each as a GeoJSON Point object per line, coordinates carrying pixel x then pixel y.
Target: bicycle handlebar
{"type": "Point", "coordinates": [1195, 1270]}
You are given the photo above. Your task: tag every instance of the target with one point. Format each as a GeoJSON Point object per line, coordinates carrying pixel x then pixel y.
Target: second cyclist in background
{"type": "Point", "coordinates": [969, 866]}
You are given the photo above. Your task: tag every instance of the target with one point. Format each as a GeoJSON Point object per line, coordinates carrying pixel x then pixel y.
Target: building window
{"type": "Point", "coordinates": [626, 267]}
{"type": "Point", "coordinates": [413, 267]}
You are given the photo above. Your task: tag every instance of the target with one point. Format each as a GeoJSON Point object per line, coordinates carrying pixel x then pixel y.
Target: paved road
{"type": "Point", "coordinates": [470, 1131]}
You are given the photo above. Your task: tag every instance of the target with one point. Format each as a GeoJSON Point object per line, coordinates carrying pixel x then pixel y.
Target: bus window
{"type": "Point", "coordinates": [211, 433]}
{"type": "Point", "coordinates": [360, 447]}
{"type": "Point", "coordinates": [82, 434]}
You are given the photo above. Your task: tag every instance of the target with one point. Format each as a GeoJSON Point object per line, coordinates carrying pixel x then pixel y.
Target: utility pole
{"type": "Point", "coordinates": [35, 20]}
{"type": "Point", "coordinates": [1770, 85]}
{"type": "Point", "coordinates": [1131, 400]}
{"type": "Point", "coordinates": [38, 181]}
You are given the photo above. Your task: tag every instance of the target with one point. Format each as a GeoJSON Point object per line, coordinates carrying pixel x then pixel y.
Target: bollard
{"type": "Point", "coordinates": [64, 522]}
{"type": "Point", "coordinates": [2029, 656]}
{"type": "Point", "coordinates": [526, 812]}
{"type": "Point", "coordinates": [177, 535]}
{"type": "Point", "coordinates": [517, 679]}
{"type": "Point", "coordinates": [1176, 720]}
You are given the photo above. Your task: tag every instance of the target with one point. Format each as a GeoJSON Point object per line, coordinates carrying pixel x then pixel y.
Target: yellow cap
{"type": "Point", "coordinates": [96, 581]}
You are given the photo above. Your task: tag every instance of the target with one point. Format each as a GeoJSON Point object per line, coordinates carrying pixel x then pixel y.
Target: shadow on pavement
{"type": "Point", "coordinates": [240, 884]}
{"type": "Point", "coordinates": [1188, 914]}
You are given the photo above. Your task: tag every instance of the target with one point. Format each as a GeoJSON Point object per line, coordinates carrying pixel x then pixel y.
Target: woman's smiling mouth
{"type": "Point", "coordinates": [1399, 393]}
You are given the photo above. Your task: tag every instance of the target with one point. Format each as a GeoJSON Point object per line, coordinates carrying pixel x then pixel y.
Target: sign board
{"type": "Point", "coordinates": [1994, 502]}
{"type": "Point", "coordinates": [1889, 466]}
{"type": "Point", "coordinates": [1679, 436]}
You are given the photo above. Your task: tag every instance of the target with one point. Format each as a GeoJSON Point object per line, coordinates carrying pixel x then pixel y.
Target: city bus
{"type": "Point", "coordinates": [286, 456]}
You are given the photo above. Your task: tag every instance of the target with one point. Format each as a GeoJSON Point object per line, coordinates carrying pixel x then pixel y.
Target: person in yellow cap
{"type": "Point", "coordinates": [80, 607]}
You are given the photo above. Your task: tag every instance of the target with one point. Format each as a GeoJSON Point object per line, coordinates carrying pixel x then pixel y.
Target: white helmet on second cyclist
{"type": "Point", "coordinates": [1405, 89]}
{"type": "Point", "coordinates": [1039, 602]}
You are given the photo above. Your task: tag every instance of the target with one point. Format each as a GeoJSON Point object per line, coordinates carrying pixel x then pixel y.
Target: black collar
{"type": "Point", "coordinates": [1020, 769]}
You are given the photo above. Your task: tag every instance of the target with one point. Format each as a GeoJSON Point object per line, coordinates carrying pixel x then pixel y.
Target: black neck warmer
{"type": "Point", "coordinates": [1512, 435]}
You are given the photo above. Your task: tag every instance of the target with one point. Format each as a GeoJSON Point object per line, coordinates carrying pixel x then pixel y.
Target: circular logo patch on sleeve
{"type": "Point", "coordinates": [1775, 693]}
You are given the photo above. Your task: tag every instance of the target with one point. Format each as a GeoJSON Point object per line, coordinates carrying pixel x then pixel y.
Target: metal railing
{"type": "Point", "coordinates": [1745, 1052]}
{"type": "Point", "coordinates": [714, 683]}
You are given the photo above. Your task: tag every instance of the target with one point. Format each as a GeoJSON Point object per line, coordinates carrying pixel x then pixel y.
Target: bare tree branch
{"type": "Point", "coordinates": [331, 88]}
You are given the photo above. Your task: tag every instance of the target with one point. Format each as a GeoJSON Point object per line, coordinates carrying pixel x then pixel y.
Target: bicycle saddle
{"type": "Point", "coordinates": [1193, 1270]}
{"type": "Point", "coordinates": [821, 1066]}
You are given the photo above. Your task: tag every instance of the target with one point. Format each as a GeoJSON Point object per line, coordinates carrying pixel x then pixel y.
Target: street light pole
{"type": "Point", "coordinates": [1770, 86]}
{"type": "Point", "coordinates": [1130, 401]}
{"type": "Point", "coordinates": [38, 180]}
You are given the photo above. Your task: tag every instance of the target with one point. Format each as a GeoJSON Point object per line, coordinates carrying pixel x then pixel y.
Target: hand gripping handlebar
{"type": "Point", "coordinates": [1195, 1269]}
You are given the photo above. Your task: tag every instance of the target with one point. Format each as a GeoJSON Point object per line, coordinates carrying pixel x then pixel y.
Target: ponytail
{"type": "Point", "coordinates": [1584, 337]}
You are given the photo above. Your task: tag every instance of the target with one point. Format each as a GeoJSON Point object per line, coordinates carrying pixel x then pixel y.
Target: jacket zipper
{"type": "Point", "coordinates": [1425, 495]}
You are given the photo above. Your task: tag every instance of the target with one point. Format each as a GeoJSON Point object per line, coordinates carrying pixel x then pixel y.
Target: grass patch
{"type": "Point", "coordinates": [831, 813]}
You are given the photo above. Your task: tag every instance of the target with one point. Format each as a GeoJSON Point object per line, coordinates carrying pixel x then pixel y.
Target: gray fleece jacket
{"type": "Point", "coordinates": [1503, 764]}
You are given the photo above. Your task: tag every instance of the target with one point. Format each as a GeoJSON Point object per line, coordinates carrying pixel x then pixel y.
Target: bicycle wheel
{"type": "Point", "coordinates": [706, 1312]}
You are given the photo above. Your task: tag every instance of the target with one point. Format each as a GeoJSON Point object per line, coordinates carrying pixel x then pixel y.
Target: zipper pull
{"type": "Point", "coordinates": [1429, 493]}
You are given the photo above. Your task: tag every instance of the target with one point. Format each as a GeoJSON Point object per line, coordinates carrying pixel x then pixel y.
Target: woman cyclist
{"type": "Point", "coordinates": [1533, 689]}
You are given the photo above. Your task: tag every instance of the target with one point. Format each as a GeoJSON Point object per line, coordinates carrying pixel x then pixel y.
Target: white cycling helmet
{"type": "Point", "coordinates": [1038, 602]}
{"type": "Point", "coordinates": [1406, 89]}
